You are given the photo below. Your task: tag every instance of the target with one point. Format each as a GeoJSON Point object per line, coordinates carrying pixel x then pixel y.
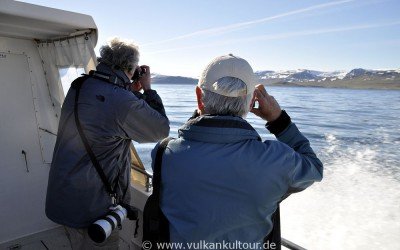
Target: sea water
{"type": "Point", "coordinates": [356, 134]}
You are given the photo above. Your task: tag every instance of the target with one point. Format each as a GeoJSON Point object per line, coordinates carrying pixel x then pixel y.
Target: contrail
{"type": "Point", "coordinates": [236, 26]}
{"type": "Point", "coordinates": [314, 32]}
{"type": "Point", "coordinates": [283, 36]}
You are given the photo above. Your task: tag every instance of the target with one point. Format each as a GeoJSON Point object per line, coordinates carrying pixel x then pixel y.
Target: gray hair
{"type": "Point", "coordinates": [119, 54]}
{"type": "Point", "coordinates": [217, 104]}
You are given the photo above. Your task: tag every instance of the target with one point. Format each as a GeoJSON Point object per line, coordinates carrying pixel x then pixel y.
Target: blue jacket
{"type": "Point", "coordinates": [220, 182]}
{"type": "Point", "coordinates": [111, 117]}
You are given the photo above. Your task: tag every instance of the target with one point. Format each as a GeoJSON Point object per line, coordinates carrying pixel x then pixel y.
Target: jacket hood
{"type": "Point", "coordinates": [218, 129]}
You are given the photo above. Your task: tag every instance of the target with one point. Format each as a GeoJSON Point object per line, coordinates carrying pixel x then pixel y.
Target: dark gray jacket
{"type": "Point", "coordinates": [111, 117]}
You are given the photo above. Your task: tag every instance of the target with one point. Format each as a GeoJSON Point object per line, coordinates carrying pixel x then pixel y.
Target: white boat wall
{"type": "Point", "coordinates": [35, 43]}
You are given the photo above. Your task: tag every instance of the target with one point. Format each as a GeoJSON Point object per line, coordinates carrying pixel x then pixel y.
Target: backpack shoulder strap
{"type": "Point", "coordinates": [155, 224]}
{"type": "Point", "coordinates": [157, 166]}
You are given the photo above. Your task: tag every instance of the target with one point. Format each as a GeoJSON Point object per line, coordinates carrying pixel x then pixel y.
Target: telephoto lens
{"type": "Point", "coordinates": [101, 229]}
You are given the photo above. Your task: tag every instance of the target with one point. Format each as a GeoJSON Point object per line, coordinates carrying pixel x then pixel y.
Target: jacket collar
{"type": "Point", "coordinates": [101, 67]}
{"type": "Point", "coordinates": [218, 129]}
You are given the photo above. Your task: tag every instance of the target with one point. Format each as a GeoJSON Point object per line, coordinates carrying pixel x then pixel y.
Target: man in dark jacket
{"type": "Point", "coordinates": [220, 182]}
{"type": "Point", "coordinates": [112, 113]}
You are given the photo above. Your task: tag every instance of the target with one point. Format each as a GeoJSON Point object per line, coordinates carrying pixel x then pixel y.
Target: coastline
{"type": "Point", "coordinates": [349, 84]}
{"type": "Point", "coordinates": [332, 85]}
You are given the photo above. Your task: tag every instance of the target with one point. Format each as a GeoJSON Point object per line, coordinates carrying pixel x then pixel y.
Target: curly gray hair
{"type": "Point", "coordinates": [120, 54]}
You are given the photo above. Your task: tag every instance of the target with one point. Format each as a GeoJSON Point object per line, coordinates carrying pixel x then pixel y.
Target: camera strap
{"type": "Point", "coordinates": [112, 79]}
{"type": "Point", "coordinates": [77, 84]}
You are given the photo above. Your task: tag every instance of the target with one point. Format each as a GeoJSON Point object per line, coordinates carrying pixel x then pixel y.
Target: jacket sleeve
{"type": "Point", "coordinates": [152, 99]}
{"type": "Point", "coordinates": [143, 123]}
{"type": "Point", "coordinates": [306, 168]}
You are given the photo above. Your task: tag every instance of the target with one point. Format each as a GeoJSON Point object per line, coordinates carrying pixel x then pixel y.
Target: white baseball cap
{"type": "Point", "coordinates": [228, 66]}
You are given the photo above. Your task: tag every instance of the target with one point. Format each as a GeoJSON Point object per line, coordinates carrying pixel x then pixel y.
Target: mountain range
{"type": "Point", "coordinates": [356, 78]}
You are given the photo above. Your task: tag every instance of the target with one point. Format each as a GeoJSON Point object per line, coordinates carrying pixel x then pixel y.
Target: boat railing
{"type": "Point", "coordinates": [149, 177]}
{"type": "Point", "coordinates": [290, 245]}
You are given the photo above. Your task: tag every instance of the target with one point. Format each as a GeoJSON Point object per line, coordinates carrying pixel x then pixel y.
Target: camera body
{"type": "Point", "coordinates": [139, 72]}
{"type": "Point", "coordinates": [101, 229]}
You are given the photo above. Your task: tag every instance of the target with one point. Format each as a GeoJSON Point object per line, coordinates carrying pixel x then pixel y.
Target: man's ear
{"type": "Point", "coordinates": [200, 104]}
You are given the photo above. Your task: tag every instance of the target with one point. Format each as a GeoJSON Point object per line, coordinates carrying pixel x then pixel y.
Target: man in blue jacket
{"type": "Point", "coordinates": [220, 182]}
{"type": "Point", "coordinates": [112, 112]}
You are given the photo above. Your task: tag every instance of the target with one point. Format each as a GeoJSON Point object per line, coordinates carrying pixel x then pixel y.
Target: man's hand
{"type": "Point", "coordinates": [136, 86]}
{"type": "Point", "coordinates": [269, 108]}
{"type": "Point", "coordinates": [145, 80]}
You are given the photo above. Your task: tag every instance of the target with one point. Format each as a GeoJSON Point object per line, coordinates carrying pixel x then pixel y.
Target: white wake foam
{"type": "Point", "coordinates": [356, 206]}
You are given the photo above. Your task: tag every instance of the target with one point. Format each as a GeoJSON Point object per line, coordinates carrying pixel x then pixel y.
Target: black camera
{"type": "Point", "coordinates": [139, 72]}
{"type": "Point", "coordinates": [101, 229]}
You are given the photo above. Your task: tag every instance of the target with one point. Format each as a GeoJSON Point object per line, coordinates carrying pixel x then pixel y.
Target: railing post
{"type": "Point", "coordinates": [148, 184]}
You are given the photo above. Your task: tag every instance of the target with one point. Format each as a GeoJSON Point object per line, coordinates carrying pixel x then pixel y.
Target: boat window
{"type": "Point", "coordinates": [68, 75]}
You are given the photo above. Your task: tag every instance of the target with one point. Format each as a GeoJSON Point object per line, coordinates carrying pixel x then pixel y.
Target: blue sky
{"type": "Point", "coordinates": [181, 37]}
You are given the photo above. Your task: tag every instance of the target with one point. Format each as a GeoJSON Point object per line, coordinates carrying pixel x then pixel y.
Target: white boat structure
{"type": "Point", "coordinates": [36, 44]}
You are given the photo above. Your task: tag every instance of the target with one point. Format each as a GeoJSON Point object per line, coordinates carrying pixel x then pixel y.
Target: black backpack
{"type": "Point", "coordinates": [156, 225]}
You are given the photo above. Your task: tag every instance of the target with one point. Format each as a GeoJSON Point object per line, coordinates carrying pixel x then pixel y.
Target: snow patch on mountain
{"type": "Point", "coordinates": [302, 76]}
